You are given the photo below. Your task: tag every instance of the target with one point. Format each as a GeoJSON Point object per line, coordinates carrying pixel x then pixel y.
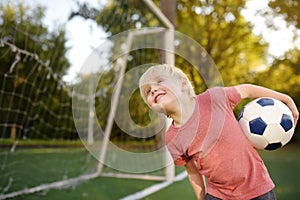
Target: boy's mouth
{"type": "Point", "coordinates": [156, 98]}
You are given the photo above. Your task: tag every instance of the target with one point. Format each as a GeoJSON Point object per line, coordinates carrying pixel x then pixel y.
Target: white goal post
{"type": "Point", "coordinates": [168, 41]}
{"type": "Point", "coordinates": [169, 49]}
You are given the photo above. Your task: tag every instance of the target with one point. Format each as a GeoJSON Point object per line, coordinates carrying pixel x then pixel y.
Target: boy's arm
{"type": "Point", "coordinates": [254, 91]}
{"type": "Point", "coordinates": [196, 180]}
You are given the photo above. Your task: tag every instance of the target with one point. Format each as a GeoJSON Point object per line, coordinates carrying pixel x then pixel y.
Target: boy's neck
{"type": "Point", "coordinates": [184, 113]}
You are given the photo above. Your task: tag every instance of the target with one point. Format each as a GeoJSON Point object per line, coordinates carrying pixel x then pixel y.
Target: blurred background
{"type": "Point", "coordinates": [45, 44]}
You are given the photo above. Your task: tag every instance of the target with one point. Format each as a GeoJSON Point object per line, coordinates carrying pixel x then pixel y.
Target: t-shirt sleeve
{"type": "Point", "coordinates": [178, 158]}
{"type": "Point", "coordinates": [181, 161]}
{"type": "Point", "coordinates": [233, 96]}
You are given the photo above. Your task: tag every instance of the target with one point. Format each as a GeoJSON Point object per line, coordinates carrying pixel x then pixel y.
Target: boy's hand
{"type": "Point", "coordinates": [294, 110]}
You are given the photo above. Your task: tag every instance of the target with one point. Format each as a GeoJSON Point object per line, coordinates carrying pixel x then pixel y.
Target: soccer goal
{"type": "Point", "coordinates": [40, 149]}
{"type": "Point", "coordinates": [117, 150]}
{"type": "Point", "coordinates": [133, 150]}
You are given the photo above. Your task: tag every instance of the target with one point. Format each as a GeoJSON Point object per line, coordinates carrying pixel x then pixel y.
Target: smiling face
{"type": "Point", "coordinates": [161, 88]}
{"type": "Point", "coordinates": [160, 93]}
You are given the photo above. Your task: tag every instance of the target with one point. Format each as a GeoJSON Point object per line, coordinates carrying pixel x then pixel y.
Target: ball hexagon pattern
{"type": "Point", "coordinates": [267, 123]}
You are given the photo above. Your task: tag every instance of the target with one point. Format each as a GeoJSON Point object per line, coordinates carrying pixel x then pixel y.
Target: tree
{"type": "Point", "coordinates": [33, 96]}
{"type": "Point", "coordinates": [284, 73]}
{"type": "Point", "coordinates": [288, 9]}
{"type": "Point", "coordinates": [220, 28]}
{"type": "Point", "coordinates": [118, 16]}
{"type": "Point", "coordinates": [283, 76]}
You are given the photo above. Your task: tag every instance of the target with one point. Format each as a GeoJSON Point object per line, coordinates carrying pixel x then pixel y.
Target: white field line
{"type": "Point", "coordinates": [48, 186]}
{"type": "Point", "coordinates": [154, 188]}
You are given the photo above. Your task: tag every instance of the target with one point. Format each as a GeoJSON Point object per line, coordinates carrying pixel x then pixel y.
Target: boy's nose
{"type": "Point", "coordinates": [153, 90]}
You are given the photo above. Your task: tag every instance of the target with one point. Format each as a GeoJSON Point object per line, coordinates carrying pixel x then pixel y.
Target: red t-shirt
{"type": "Point", "coordinates": [214, 139]}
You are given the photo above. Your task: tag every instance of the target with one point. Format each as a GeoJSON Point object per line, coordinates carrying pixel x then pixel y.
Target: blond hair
{"type": "Point", "coordinates": [164, 70]}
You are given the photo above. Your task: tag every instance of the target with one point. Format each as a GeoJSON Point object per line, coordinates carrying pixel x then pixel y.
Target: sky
{"type": "Point", "coordinates": [280, 40]}
{"type": "Point", "coordinates": [84, 35]}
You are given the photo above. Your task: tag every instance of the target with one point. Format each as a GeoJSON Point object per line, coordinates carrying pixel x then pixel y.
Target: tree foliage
{"type": "Point", "coordinates": [218, 26]}
{"type": "Point", "coordinates": [288, 9]}
{"type": "Point", "coordinates": [33, 62]}
{"type": "Point", "coordinates": [221, 29]}
{"type": "Point", "coordinates": [284, 73]}
{"type": "Point", "coordinates": [118, 16]}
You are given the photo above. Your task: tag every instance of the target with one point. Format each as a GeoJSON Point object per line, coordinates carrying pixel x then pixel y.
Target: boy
{"type": "Point", "coordinates": [205, 136]}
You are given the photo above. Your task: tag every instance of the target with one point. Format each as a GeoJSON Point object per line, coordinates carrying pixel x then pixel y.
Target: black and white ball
{"type": "Point", "coordinates": [267, 123]}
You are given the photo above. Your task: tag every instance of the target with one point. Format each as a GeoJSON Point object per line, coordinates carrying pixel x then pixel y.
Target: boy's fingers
{"type": "Point", "coordinates": [295, 116]}
{"type": "Point", "coordinates": [296, 119]}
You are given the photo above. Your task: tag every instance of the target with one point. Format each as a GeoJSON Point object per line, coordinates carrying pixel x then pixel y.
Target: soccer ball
{"type": "Point", "coordinates": [267, 123]}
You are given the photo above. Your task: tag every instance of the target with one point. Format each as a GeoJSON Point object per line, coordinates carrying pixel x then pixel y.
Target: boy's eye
{"type": "Point", "coordinates": [147, 91]}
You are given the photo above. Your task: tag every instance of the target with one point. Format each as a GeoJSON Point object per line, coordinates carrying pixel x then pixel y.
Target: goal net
{"type": "Point", "coordinates": [55, 133]}
{"type": "Point", "coordinates": [119, 122]}
{"type": "Point", "coordinates": [39, 144]}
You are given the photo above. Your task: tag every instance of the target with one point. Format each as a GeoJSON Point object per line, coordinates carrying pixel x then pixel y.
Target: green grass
{"type": "Point", "coordinates": [284, 168]}
{"type": "Point", "coordinates": [39, 142]}
{"type": "Point", "coordinates": [101, 188]}
{"type": "Point", "coordinates": [31, 167]}
{"type": "Point", "coordinates": [27, 168]}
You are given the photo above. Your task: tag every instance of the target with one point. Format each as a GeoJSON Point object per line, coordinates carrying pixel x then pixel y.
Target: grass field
{"type": "Point", "coordinates": [35, 166]}
{"type": "Point", "coordinates": [284, 167]}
